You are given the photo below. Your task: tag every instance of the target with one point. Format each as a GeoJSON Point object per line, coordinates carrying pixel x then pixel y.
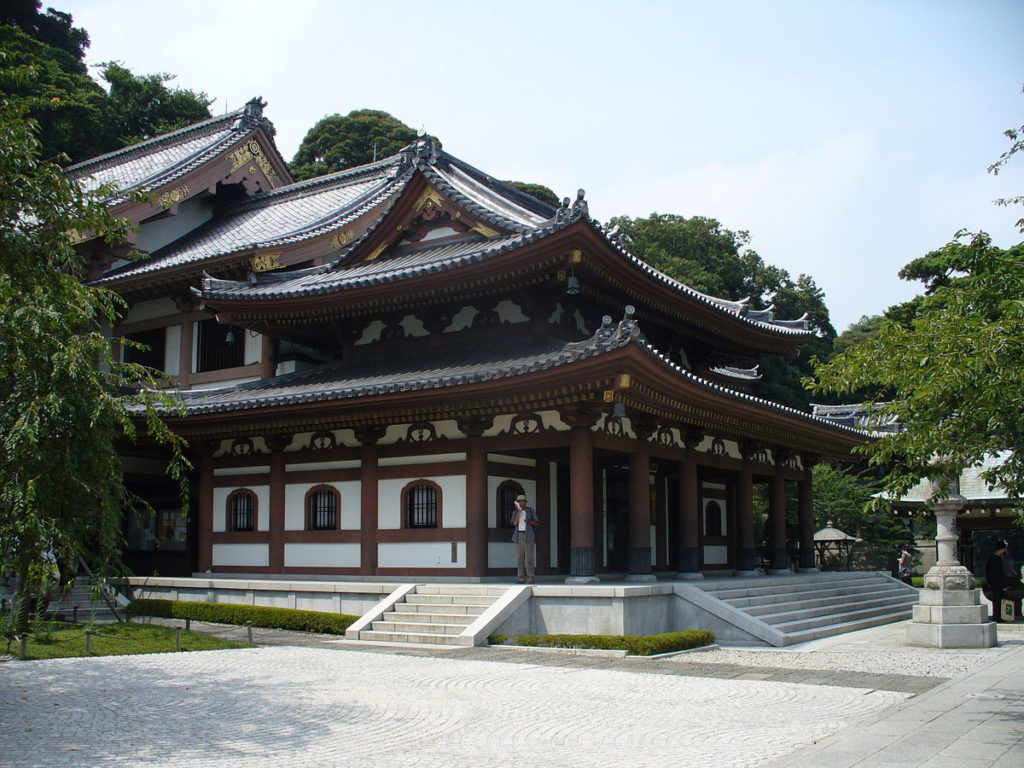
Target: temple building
{"type": "Point", "coordinates": [374, 364]}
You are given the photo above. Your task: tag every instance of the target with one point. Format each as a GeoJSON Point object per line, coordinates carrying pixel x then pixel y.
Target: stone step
{"type": "Point", "coordinates": [415, 617]}
{"type": "Point", "coordinates": [387, 625]}
{"type": "Point", "coordinates": [829, 611]}
{"type": "Point", "coordinates": [422, 638]}
{"type": "Point", "coordinates": [782, 585]}
{"type": "Point", "coordinates": [461, 589]}
{"type": "Point", "coordinates": [750, 604]}
{"type": "Point", "coordinates": [436, 598]}
{"type": "Point", "coordinates": [821, 601]}
{"type": "Point", "coordinates": [450, 608]}
{"type": "Point", "coordinates": [831, 630]}
{"type": "Point", "coordinates": [846, 617]}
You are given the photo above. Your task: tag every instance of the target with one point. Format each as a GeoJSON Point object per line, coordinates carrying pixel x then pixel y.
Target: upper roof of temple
{"type": "Point", "coordinates": [159, 161]}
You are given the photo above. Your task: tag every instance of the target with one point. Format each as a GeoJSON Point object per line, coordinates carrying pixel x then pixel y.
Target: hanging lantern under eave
{"type": "Point", "coordinates": [619, 411]}
{"type": "Point", "coordinates": [229, 337]}
{"type": "Point", "coordinates": [572, 285]}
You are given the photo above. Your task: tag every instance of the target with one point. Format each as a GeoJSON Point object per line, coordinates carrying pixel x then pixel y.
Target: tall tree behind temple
{"type": "Point", "coordinates": [703, 254]}
{"type": "Point", "coordinates": [338, 142]}
{"type": "Point", "coordinates": [77, 117]}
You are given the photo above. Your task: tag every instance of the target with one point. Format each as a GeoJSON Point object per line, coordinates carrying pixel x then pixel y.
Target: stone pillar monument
{"type": "Point", "coordinates": [950, 613]}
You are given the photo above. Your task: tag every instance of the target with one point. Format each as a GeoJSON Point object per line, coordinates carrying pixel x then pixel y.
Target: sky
{"type": "Point", "coordinates": [847, 137]}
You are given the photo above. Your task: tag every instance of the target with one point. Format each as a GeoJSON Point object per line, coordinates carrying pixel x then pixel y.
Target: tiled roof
{"type": "Point", "coordinates": [290, 214]}
{"type": "Point", "coordinates": [162, 159]}
{"type": "Point", "coordinates": [457, 365]}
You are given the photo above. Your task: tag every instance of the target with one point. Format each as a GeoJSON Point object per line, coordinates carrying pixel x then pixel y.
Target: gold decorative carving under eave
{"type": "Point", "coordinates": [343, 238]}
{"type": "Point", "coordinates": [377, 252]}
{"type": "Point", "coordinates": [429, 195]}
{"type": "Point", "coordinates": [173, 196]}
{"type": "Point", "coordinates": [264, 262]}
{"type": "Point", "coordinates": [251, 151]}
{"type": "Point", "coordinates": [486, 231]}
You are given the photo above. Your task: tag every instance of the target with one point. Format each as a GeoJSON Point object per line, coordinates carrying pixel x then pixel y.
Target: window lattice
{"type": "Point", "coordinates": [243, 509]}
{"type": "Point", "coordinates": [421, 506]}
{"type": "Point", "coordinates": [323, 510]}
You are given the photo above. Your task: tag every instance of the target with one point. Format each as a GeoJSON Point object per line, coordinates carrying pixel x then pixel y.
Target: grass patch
{"type": "Point", "coordinates": [634, 645]}
{"type": "Point", "coordinates": [68, 640]}
{"type": "Point", "coordinates": [258, 616]}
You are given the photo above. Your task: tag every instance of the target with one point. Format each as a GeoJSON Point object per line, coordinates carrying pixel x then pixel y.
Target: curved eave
{"type": "Point", "coordinates": [657, 388]}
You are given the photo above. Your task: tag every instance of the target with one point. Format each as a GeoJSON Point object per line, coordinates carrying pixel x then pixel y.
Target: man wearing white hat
{"type": "Point", "coordinates": [524, 534]}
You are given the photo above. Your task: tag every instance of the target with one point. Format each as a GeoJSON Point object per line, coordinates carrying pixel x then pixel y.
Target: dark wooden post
{"type": "Point", "coordinates": [277, 444]}
{"type": "Point", "coordinates": [745, 512]}
{"type": "Point", "coordinates": [688, 539]}
{"type": "Point", "coordinates": [581, 490]}
{"type": "Point", "coordinates": [368, 476]}
{"type": "Point", "coordinates": [476, 494]}
{"type": "Point", "coordinates": [204, 526]}
{"type": "Point", "coordinates": [640, 504]}
{"type": "Point", "coordinates": [805, 495]}
{"type": "Point", "coordinates": [778, 555]}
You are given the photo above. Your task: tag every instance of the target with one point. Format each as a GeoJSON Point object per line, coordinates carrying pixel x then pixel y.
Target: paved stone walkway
{"type": "Point", "coordinates": [291, 706]}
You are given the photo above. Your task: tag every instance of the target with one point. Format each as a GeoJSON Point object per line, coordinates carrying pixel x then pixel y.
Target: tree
{"type": "Point", "coordinates": [338, 142]}
{"type": "Point", "coordinates": [701, 253]}
{"type": "Point", "coordinates": [539, 191]}
{"type": "Point", "coordinates": [951, 375]}
{"type": "Point", "coordinates": [65, 401]}
{"type": "Point", "coordinates": [140, 107]}
{"type": "Point", "coordinates": [52, 28]}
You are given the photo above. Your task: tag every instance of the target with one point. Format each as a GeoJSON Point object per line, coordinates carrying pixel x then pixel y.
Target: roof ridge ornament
{"type": "Point", "coordinates": [572, 212]}
{"type": "Point", "coordinates": [425, 148]}
{"type": "Point", "coordinates": [618, 237]}
{"type": "Point", "coordinates": [252, 117]}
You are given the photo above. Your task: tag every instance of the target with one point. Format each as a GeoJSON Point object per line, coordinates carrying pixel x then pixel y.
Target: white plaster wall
{"type": "Point", "coordinates": [529, 490]}
{"type": "Point", "coordinates": [190, 214]}
{"type": "Point", "coordinates": [341, 555]}
{"type": "Point", "coordinates": [241, 554]}
{"type": "Point", "coordinates": [220, 507]}
{"type": "Point", "coordinates": [322, 465]}
{"type": "Point", "coordinates": [502, 554]}
{"type": "Point", "coordinates": [453, 501]}
{"type": "Point", "coordinates": [408, 461]}
{"type": "Point", "coordinates": [227, 471]}
{"type": "Point", "coordinates": [510, 312]}
{"type": "Point", "coordinates": [521, 461]}
{"type": "Point", "coordinates": [226, 383]}
{"type": "Point", "coordinates": [295, 504]}
{"type": "Point", "coordinates": [149, 310]}
{"type": "Point", "coordinates": [253, 348]}
{"type": "Point", "coordinates": [434, 554]}
{"type": "Point", "coordinates": [172, 350]}
{"type": "Point", "coordinates": [717, 554]}
{"type": "Point", "coordinates": [461, 320]}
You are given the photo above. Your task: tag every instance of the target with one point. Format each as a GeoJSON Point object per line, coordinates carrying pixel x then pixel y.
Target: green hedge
{"type": "Point", "coordinates": [636, 645]}
{"type": "Point", "coordinates": [258, 616]}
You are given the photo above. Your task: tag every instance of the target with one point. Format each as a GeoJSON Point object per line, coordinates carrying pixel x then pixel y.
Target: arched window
{"type": "Point", "coordinates": [712, 519]}
{"type": "Point", "coordinates": [241, 511]}
{"type": "Point", "coordinates": [506, 502]}
{"type": "Point", "coordinates": [421, 504]}
{"type": "Point", "coordinates": [322, 505]}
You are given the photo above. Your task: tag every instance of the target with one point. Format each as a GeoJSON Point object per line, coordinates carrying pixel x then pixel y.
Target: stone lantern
{"type": "Point", "coordinates": [950, 613]}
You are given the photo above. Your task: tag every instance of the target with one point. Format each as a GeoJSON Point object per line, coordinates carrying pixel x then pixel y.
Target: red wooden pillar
{"type": "Point", "coordinates": [547, 522]}
{"type": "Point", "coordinates": [476, 506]}
{"type": "Point", "coordinates": [277, 444]}
{"type": "Point", "coordinates": [805, 495]}
{"type": "Point", "coordinates": [745, 513]}
{"type": "Point", "coordinates": [368, 479]}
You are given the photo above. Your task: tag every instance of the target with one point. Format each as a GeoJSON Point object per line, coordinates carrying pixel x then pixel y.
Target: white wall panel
{"type": "Point", "coordinates": [254, 555]}
{"type": "Point", "coordinates": [432, 554]}
{"type": "Point", "coordinates": [340, 555]}
{"type": "Point", "coordinates": [453, 500]}
{"type": "Point", "coordinates": [220, 508]}
{"type": "Point", "coordinates": [502, 554]}
{"type": "Point", "coordinates": [717, 554]}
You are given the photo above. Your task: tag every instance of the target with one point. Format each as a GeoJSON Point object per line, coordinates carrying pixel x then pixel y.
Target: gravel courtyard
{"type": "Point", "coordinates": [293, 706]}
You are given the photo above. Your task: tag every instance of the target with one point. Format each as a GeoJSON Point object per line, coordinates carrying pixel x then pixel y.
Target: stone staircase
{"type": "Point", "coordinates": [812, 607]}
{"type": "Point", "coordinates": [80, 604]}
{"type": "Point", "coordinates": [436, 614]}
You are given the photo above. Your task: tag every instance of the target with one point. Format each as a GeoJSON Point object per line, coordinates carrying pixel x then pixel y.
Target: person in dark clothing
{"type": "Point", "coordinates": [995, 578]}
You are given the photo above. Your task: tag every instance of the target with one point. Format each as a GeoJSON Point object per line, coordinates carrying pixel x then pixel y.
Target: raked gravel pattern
{"type": "Point", "coordinates": [291, 706]}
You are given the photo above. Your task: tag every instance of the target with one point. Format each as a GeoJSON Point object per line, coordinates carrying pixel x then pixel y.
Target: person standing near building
{"type": "Point", "coordinates": [524, 534]}
{"type": "Point", "coordinates": [906, 563]}
{"type": "Point", "coordinates": [995, 578]}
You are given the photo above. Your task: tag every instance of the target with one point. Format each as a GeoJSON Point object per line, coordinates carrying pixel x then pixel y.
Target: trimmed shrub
{"type": "Point", "coordinates": [258, 616]}
{"type": "Point", "coordinates": [635, 645]}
